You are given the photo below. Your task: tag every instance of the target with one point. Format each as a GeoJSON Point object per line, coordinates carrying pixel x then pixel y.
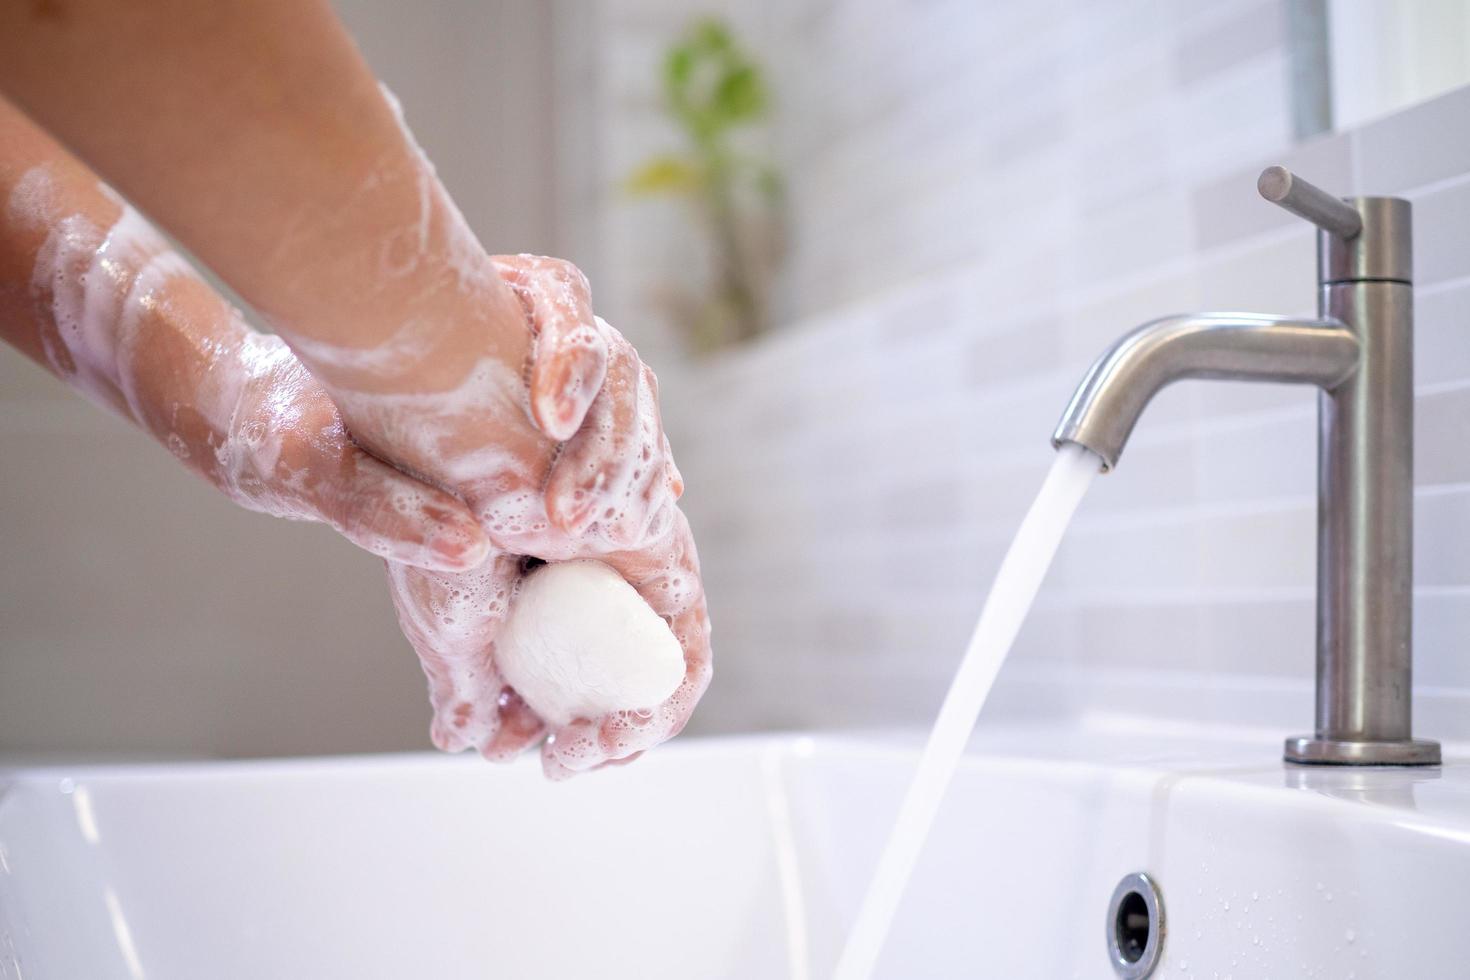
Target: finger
{"type": "Point", "coordinates": [520, 727]}
{"type": "Point", "coordinates": [592, 462]}
{"type": "Point", "coordinates": [292, 456]}
{"type": "Point", "coordinates": [566, 374]}
{"type": "Point", "coordinates": [570, 359]}
{"type": "Point", "coordinates": [573, 748]}
{"type": "Point", "coordinates": [451, 621]}
{"type": "Point", "coordinates": [392, 515]}
{"type": "Point", "coordinates": [599, 469]}
{"type": "Point", "coordinates": [646, 493]}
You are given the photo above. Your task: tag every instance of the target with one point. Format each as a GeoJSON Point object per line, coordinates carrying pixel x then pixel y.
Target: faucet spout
{"type": "Point", "coordinates": [1235, 346]}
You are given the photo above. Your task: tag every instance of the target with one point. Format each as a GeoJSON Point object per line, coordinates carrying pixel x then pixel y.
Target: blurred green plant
{"type": "Point", "coordinates": [714, 91]}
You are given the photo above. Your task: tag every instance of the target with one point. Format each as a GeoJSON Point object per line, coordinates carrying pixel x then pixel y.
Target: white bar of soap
{"type": "Point", "coordinates": [580, 642]}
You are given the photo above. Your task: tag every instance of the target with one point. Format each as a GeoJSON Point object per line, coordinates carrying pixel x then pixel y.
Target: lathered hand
{"type": "Point", "coordinates": [610, 494]}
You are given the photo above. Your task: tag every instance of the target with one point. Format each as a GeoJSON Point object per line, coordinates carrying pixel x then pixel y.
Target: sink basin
{"type": "Point", "coordinates": [732, 858]}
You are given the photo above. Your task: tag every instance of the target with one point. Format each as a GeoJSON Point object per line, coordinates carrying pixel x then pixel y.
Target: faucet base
{"type": "Point", "coordinates": [1311, 750]}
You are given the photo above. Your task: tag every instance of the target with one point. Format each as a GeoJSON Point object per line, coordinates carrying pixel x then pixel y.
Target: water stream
{"type": "Point", "coordinates": [1010, 598]}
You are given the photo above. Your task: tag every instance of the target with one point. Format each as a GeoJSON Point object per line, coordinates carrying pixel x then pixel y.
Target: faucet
{"type": "Point", "coordinates": [1359, 353]}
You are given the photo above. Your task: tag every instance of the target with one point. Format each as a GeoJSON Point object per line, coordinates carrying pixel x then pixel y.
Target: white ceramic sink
{"type": "Point", "coordinates": [731, 858]}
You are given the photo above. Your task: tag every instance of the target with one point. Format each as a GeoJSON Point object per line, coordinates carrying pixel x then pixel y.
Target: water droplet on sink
{"type": "Point", "coordinates": [1255, 896]}
{"type": "Point", "coordinates": [1350, 935]}
{"type": "Point", "coordinates": [1227, 906]}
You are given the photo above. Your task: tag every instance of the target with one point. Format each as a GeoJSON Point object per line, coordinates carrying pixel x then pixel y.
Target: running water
{"type": "Point", "coordinates": [1005, 609]}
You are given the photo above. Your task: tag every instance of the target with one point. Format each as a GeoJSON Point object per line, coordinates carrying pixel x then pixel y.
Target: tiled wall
{"type": "Point", "coordinates": [987, 194]}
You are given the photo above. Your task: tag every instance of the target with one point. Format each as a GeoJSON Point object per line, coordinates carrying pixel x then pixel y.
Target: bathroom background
{"type": "Point", "coordinates": [980, 196]}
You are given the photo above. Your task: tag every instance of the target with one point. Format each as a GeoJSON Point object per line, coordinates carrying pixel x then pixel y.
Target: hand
{"type": "Point", "coordinates": [610, 495]}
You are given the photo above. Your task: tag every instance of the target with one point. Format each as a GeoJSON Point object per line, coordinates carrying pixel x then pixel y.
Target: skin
{"type": "Point", "coordinates": [252, 131]}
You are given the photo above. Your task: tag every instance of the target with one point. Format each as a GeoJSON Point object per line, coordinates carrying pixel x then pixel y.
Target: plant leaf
{"type": "Point", "coordinates": [678, 68]}
{"type": "Point", "coordinates": [664, 174]}
{"type": "Point", "coordinates": [740, 95]}
{"type": "Point", "coordinates": [712, 36]}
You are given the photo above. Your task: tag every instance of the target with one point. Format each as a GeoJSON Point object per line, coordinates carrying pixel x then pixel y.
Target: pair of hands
{"type": "Point", "coordinates": [491, 415]}
{"type": "Point", "coordinates": [610, 495]}
{"type": "Point", "coordinates": [563, 457]}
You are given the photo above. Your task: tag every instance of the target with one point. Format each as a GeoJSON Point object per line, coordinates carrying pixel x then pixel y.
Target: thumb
{"type": "Point", "coordinates": [394, 516]}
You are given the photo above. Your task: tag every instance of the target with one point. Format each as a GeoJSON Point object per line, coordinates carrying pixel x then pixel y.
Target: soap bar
{"type": "Point", "coordinates": [580, 642]}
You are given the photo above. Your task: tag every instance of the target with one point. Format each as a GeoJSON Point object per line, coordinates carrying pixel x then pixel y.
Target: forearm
{"type": "Point", "coordinates": [91, 291]}
{"type": "Point", "coordinates": [97, 297]}
{"type": "Point", "coordinates": [254, 132]}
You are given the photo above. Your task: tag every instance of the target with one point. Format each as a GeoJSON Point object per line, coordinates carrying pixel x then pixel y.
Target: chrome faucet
{"type": "Point", "coordinates": [1359, 352]}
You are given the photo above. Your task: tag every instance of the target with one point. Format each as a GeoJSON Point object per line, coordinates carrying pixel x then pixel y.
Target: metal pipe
{"type": "Point", "coordinates": [1365, 514]}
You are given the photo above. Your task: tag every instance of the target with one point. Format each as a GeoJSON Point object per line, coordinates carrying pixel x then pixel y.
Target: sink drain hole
{"type": "Point", "coordinates": [1135, 927]}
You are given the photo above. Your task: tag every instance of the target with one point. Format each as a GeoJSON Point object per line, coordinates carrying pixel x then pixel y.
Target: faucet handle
{"type": "Point", "coordinates": [1333, 215]}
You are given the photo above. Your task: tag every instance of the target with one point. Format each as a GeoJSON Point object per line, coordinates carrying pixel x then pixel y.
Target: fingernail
{"type": "Point", "coordinates": [456, 540]}
{"type": "Point", "coordinates": [560, 413]}
{"type": "Point", "coordinates": [558, 417]}
{"type": "Point", "coordinates": [465, 554]}
{"type": "Point", "coordinates": [566, 389]}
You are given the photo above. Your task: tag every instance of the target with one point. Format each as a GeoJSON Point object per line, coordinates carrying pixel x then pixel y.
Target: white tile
{"type": "Point", "coordinates": [1442, 234]}
{"type": "Point", "coordinates": [1442, 335]}
{"type": "Point", "coordinates": [1441, 533]}
{"type": "Point", "coordinates": [1439, 643]}
{"type": "Point", "coordinates": [1439, 437]}
{"type": "Point", "coordinates": [1417, 146]}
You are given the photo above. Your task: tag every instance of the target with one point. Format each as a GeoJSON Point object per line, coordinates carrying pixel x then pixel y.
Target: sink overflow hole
{"type": "Point", "coordinates": [1135, 927]}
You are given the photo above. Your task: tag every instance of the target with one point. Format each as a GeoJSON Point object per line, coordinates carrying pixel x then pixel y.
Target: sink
{"type": "Point", "coordinates": [733, 858]}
